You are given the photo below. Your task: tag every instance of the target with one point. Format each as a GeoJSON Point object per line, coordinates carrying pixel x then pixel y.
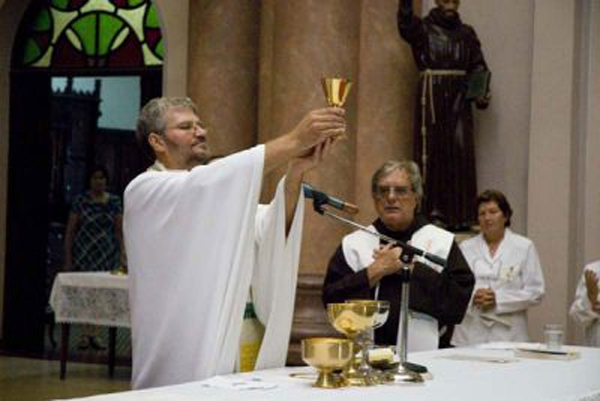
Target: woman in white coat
{"type": "Point", "coordinates": [508, 277]}
{"type": "Point", "coordinates": [586, 307]}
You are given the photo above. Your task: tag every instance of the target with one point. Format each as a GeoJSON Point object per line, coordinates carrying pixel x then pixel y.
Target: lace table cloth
{"type": "Point", "coordinates": [99, 298]}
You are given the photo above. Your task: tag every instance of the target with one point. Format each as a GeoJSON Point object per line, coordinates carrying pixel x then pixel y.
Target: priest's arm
{"type": "Point", "coordinates": [278, 239]}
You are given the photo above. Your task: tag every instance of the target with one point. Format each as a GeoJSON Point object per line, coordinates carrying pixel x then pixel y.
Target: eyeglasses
{"type": "Point", "coordinates": [188, 126]}
{"type": "Point", "coordinates": [383, 191]}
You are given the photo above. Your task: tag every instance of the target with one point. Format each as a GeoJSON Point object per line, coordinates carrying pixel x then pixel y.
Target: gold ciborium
{"type": "Point", "coordinates": [327, 355]}
{"type": "Point", "coordinates": [336, 90]}
{"type": "Point", "coordinates": [366, 338]}
{"type": "Point", "coordinates": [352, 319]}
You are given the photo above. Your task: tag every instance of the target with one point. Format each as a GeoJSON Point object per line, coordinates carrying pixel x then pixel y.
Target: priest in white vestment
{"type": "Point", "coordinates": [196, 243]}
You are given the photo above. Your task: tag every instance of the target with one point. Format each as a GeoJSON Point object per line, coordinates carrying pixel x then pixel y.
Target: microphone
{"type": "Point", "coordinates": [323, 199]}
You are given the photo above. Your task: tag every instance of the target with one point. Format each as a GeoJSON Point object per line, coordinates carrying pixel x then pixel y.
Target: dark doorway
{"type": "Point", "coordinates": [54, 139]}
{"type": "Point", "coordinates": [55, 136]}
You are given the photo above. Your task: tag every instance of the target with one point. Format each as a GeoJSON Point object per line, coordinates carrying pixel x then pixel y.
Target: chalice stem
{"type": "Point", "coordinates": [364, 352]}
{"type": "Point", "coordinates": [403, 352]}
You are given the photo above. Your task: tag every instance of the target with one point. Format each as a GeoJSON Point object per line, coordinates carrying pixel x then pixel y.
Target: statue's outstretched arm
{"type": "Point", "coordinates": [409, 25]}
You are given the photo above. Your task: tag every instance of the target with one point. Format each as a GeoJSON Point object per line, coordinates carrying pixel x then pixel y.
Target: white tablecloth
{"type": "Point", "coordinates": [453, 379]}
{"type": "Point", "coordinates": [99, 298]}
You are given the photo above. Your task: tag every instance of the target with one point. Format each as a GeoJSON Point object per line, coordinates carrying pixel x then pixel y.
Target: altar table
{"type": "Point", "coordinates": [491, 372]}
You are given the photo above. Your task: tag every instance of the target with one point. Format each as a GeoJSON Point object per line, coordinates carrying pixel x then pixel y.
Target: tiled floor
{"type": "Point", "coordinates": [24, 379]}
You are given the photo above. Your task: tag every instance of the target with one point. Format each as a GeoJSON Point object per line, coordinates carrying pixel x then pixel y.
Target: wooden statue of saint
{"type": "Point", "coordinates": [453, 75]}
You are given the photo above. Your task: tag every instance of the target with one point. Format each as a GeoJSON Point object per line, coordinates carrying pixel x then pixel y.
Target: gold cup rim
{"type": "Point", "coordinates": [351, 306]}
{"type": "Point", "coordinates": [368, 302]}
{"type": "Point", "coordinates": [325, 340]}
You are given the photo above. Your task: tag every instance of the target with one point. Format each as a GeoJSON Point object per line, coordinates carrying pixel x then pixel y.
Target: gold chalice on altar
{"type": "Point", "coordinates": [327, 355]}
{"type": "Point", "coordinates": [366, 338]}
{"type": "Point", "coordinates": [353, 319]}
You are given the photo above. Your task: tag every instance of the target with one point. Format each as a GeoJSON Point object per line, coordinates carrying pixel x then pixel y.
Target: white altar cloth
{"type": "Point", "coordinates": [454, 378]}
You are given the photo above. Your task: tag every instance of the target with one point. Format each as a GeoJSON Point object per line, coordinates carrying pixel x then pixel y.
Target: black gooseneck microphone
{"type": "Point", "coordinates": [323, 198]}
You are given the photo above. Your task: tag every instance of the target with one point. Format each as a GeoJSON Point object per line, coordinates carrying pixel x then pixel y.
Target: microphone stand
{"type": "Point", "coordinates": [406, 370]}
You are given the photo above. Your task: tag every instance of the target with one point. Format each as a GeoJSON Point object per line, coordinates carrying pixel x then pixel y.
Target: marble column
{"type": "Point", "coordinates": [551, 158]}
{"type": "Point", "coordinates": [388, 82]}
{"type": "Point", "coordinates": [174, 25]}
{"type": "Point", "coordinates": [223, 70]}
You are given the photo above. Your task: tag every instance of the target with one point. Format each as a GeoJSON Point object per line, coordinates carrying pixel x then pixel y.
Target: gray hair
{"type": "Point", "coordinates": [411, 168]}
{"type": "Point", "coordinates": [152, 117]}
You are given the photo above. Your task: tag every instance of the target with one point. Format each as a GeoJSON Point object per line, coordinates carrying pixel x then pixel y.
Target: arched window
{"type": "Point", "coordinates": [89, 34]}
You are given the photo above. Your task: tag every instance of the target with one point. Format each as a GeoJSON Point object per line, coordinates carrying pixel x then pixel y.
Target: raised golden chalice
{"type": "Point", "coordinates": [352, 319]}
{"type": "Point", "coordinates": [336, 91]}
{"type": "Point", "coordinates": [327, 355]}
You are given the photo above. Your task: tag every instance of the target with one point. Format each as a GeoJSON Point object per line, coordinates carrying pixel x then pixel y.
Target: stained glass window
{"type": "Point", "coordinates": [87, 34]}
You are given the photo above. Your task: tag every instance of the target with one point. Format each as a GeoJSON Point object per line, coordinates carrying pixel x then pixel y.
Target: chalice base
{"type": "Point", "coordinates": [328, 379]}
{"type": "Point", "coordinates": [403, 375]}
{"type": "Point", "coordinates": [358, 378]}
{"type": "Point", "coordinates": [362, 380]}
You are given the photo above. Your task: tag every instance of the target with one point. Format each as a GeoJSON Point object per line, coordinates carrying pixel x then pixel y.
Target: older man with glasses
{"type": "Point", "coordinates": [365, 268]}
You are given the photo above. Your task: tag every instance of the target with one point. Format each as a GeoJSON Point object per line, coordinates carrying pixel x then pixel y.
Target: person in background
{"type": "Point", "coordinates": [509, 278]}
{"type": "Point", "coordinates": [586, 306]}
{"type": "Point", "coordinates": [94, 238]}
{"type": "Point", "coordinates": [363, 267]}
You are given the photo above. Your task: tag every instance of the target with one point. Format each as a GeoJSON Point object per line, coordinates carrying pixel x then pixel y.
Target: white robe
{"type": "Point", "coordinates": [581, 310]}
{"type": "Point", "coordinates": [515, 275]}
{"type": "Point", "coordinates": [195, 243]}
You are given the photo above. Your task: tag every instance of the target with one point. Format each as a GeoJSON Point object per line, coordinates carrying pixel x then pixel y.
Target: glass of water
{"type": "Point", "coordinates": [553, 335]}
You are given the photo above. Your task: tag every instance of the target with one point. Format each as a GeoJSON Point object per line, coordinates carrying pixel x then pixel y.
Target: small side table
{"type": "Point", "coordinates": [98, 298]}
